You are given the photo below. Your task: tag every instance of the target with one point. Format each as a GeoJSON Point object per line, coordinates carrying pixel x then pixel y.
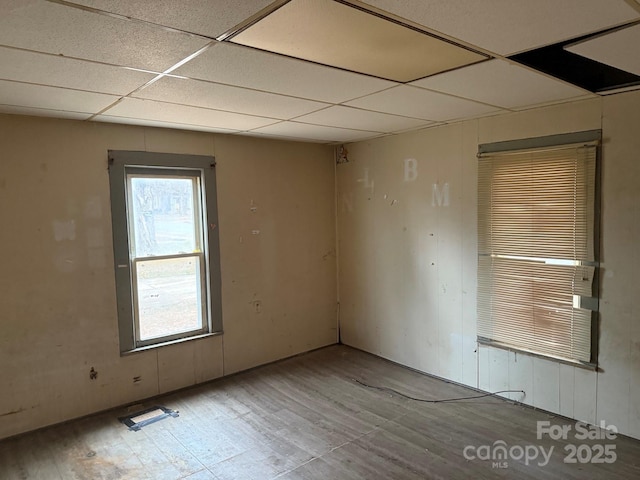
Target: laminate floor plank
{"type": "Point", "coordinates": [307, 418]}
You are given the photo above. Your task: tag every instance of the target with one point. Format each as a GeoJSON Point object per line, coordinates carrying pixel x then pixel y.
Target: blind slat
{"type": "Point", "coordinates": [536, 204]}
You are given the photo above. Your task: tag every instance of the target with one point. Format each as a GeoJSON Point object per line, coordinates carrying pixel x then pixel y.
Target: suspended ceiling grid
{"type": "Point", "coordinates": [206, 65]}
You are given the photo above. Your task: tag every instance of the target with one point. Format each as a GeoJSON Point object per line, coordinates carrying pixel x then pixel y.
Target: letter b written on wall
{"type": "Point", "coordinates": [439, 192]}
{"type": "Point", "coordinates": [410, 169]}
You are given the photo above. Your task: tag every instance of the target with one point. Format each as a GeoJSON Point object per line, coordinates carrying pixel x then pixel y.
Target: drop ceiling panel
{"type": "Point", "coordinates": [58, 71]}
{"type": "Point", "coordinates": [501, 83]}
{"type": "Point", "coordinates": [418, 103]}
{"type": "Point", "coordinates": [314, 132]}
{"type": "Point", "coordinates": [206, 17]}
{"type": "Point", "coordinates": [52, 98]}
{"type": "Point", "coordinates": [347, 117]}
{"type": "Point", "coordinates": [54, 28]}
{"type": "Point", "coordinates": [506, 26]}
{"type": "Point", "coordinates": [224, 97]}
{"type": "Point", "coordinates": [157, 123]}
{"type": "Point", "coordinates": [619, 49]}
{"type": "Point", "coordinates": [43, 112]}
{"type": "Point", "coordinates": [332, 33]}
{"type": "Point", "coordinates": [251, 68]}
{"type": "Point", "coordinates": [281, 137]}
{"type": "Point", "coordinates": [168, 112]}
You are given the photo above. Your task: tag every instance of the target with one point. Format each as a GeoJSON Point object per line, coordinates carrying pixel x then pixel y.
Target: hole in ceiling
{"type": "Point", "coordinates": [579, 70]}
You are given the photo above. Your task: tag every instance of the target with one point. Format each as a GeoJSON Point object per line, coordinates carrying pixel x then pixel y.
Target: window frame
{"type": "Point", "coordinates": [122, 163]}
{"type": "Point", "coordinates": [590, 137]}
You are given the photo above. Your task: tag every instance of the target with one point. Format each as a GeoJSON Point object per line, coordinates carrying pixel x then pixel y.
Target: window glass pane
{"type": "Point", "coordinates": [169, 296]}
{"type": "Point", "coordinates": [171, 290]}
{"type": "Point", "coordinates": [163, 216]}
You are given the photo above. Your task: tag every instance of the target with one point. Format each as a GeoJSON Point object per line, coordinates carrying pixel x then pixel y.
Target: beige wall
{"type": "Point", "coordinates": [57, 300]}
{"type": "Point", "coordinates": [407, 271]}
{"type": "Point", "coordinates": [407, 263]}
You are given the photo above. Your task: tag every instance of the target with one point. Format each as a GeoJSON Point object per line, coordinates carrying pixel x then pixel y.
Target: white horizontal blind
{"type": "Point", "coordinates": [536, 249]}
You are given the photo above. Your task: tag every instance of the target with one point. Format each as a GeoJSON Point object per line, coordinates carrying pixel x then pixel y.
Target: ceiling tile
{"type": "Point", "coordinates": [61, 30]}
{"type": "Point", "coordinates": [501, 83]}
{"type": "Point", "coordinates": [618, 49]}
{"type": "Point", "coordinates": [168, 112]}
{"type": "Point", "coordinates": [157, 123]}
{"type": "Point", "coordinates": [223, 97]}
{"type": "Point", "coordinates": [418, 103]}
{"type": "Point", "coordinates": [52, 98]}
{"type": "Point", "coordinates": [59, 71]}
{"type": "Point", "coordinates": [280, 137]}
{"type": "Point", "coordinates": [314, 132]}
{"type": "Point", "coordinates": [251, 68]}
{"type": "Point", "coordinates": [506, 26]}
{"type": "Point", "coordinates": [336, 34]}
{"type": "Point", "coordinates": [43, 112]}
{"type": "Point", "coordinates": [347, 117]}
{"type": "Point", "coordinates": [205, 17]}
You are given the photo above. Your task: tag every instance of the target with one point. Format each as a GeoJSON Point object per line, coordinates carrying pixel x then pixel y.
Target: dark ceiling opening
{"type": "Point", "coordinates": [581, 71]}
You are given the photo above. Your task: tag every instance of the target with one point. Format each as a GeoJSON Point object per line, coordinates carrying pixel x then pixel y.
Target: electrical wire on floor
{"type": "Point", "coordinates": [443, 400]}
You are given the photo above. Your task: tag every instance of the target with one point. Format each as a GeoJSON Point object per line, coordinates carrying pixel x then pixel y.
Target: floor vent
{"type": "Point", "coordinates": [137, 420]}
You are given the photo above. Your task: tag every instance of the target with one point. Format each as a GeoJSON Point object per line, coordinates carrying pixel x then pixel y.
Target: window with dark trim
{"type": "Point", "coordinates": [166, 247]}
{"type": "Point", "coordinates": [538, 246]}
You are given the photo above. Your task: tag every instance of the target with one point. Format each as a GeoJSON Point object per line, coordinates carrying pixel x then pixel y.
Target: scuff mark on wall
{"type": "Point", "coordinates": [347, 202]}
{"type": "Point", "coordinates": [66, 256]}
{"type": "Point", "coordinates": [96, 251]}
{"type": "Point", "coordinates": [12, 412]}
{"type": "Point", "coordinates": [64, 230]}
{"type": "Point", "coordinates": [93, 208]}
{"type": "Point", "coordinates": [257, 306]}
{"type": "Point", "coordinates": [329, 254]}
{"type": "Point", "coordinates": [65, 259]}
{"type": "Point", "coordinates": [366, 181]}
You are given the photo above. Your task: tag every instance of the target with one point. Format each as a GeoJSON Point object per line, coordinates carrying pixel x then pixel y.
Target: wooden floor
{"type": "Point", "coordinates": [306, 418]}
